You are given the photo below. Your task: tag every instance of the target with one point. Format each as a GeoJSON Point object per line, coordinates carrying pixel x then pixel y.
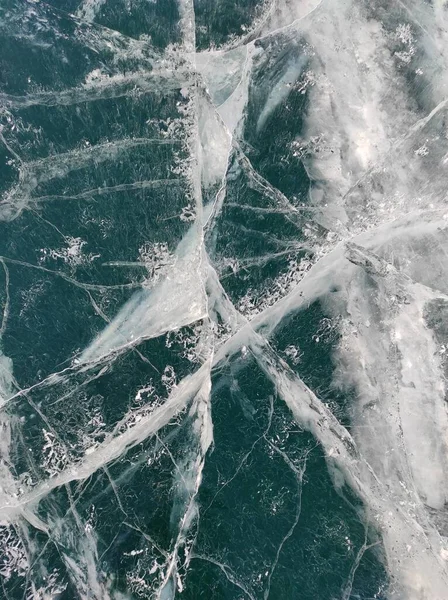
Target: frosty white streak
{"type": "Point", "coordinates": [115, 86]}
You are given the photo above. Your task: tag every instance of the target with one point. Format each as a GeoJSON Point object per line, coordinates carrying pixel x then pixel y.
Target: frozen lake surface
{"type": "Point", "coordinates": [223, 299]}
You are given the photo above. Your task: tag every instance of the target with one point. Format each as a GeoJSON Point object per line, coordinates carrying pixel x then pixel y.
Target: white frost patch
{"type": "Point", "coordinates": [13, 559]}
{"type": "Point", "coordinates": [157, 260]}
{"type": "Point", "coordinates": [72, 254]}
{"type": "Point", "coordinates": [404, 34]}
{"type": "Point", "coordinates": [55, 455]}
{"type": "Point", "coordinates": [88, 9]}
{"type": "Point", "coordinates": [188, 214]}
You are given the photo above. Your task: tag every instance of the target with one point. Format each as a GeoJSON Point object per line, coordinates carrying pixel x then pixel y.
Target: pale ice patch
{"type": "Point", "coordinates": [6, 378]}
{"type": "Point", "coordinates": [233, 108]}
{"type": "Point", "coordinates": [215, 143]}
{"type": "Point", "coordinates": [176, 300]}
{"type": "Point", "coordinates": [221, 72]}
{"type": "Point", "coordinates": [189, 477]}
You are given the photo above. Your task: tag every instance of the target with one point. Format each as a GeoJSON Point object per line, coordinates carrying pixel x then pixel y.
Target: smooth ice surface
{"type": "Point", "coordinates": [224, 299]}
